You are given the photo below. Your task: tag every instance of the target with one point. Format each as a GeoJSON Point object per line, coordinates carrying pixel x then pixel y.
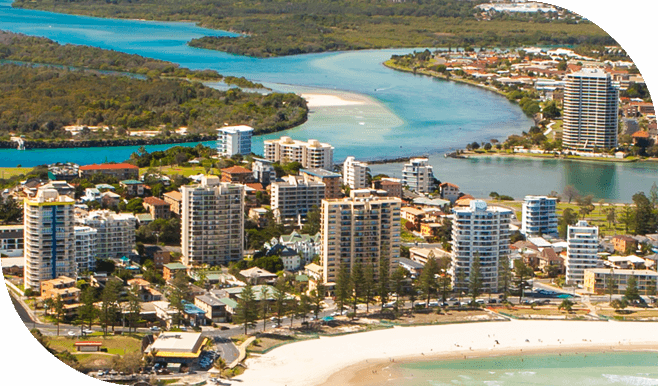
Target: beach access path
{"type": "Point", "coordinates": [312, 362]}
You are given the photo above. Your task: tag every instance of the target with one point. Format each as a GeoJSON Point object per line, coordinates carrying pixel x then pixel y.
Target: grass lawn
{"type": "Point", "coordinates": [185, 171]}
{"type": "Point", "coordinates": [267, 341]}
{"type": "Point", "coordinates": [10, 172]}
{"type": "Point", "coordinates": [115, 344]}
{"type": "Point", "coordinates": [631, 315]}
{"type": "Point", "coordinates": [95, 361]}
{"type": "Point", "coordinates": [596, 217]}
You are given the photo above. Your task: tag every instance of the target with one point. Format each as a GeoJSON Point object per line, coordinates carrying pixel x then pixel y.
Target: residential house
{"type": "Point", "coordinates": [132, 188]}
{"type": "Point", "coordinates": [158, 208]}
{"type": "Point", "coordinates": [624, 244]}
{"type": "Point", "coordinates": [237, 175]}
{"type": "Point", "coordinates": [449, 191]}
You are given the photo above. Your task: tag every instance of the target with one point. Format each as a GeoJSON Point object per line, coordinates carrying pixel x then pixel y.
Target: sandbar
{"type": "Point", "coordinates": [328, 100]}
{"type": "Point", "coordinates": [342, 359]}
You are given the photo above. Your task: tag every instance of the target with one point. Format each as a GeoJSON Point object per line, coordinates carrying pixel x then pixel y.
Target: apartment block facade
{"type": "Point", "coordinates": [311, 154]}
{"type": "Point", "coordinates": [234, 140]}
{"type": "Point", "coordinates": [121, 171]}
{"type": "Point", "coordinates": [11, 240]}
{"type": "Point", "coordinates": [212, 222]}
{"type": "Point", "coordinates": [115, 232]}
{"type": "Point", "coordinates": [85, 248]}
{"type": "Point", "coordinates": [292, 198]}
{"type": "Point", "coordinates": [361, 229]}
{"type": "Point", "coordinates": [330, 180]}
{"type": "Point", "coordinates": [49, 237]}
{"type": "Point", "coordinates": [354, 173]}
{"type": "Point", "coordinates": [484, 231]}
{"type": "Point", "coordinates": [590, 109]}
{"type": "Point", "coordinates": [418, 175]}
{"type": "Point", "coordinates": [582, 249]}
{"type": "Point", "coordinates": [539, 217]}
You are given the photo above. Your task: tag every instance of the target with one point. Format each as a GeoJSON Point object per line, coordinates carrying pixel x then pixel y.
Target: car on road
{"type": "Point", "coordinates": [100, 373]}
{"type": "Point", "coordinates": [87, 331]}
{"type": "Point", "coordinates": [155, 328]}
{"type": "Point", "coordinates": [71, 333]}
{"type": "Point", "coordinates": [389, 305]}
{"type": "Point", "coordinates": [433, 304]}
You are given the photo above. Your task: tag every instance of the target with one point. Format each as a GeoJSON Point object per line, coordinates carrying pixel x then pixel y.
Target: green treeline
{"type": "Point", "coordinates": [282, 27]}
{"type": "Point", "coordinates": [38, 101]}
{"type": "Point", "coordinates": [33, 49]}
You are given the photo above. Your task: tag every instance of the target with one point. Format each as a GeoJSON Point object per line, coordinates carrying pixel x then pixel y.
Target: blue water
{"type": "Point", "coordinates": [591, 369]}
{"type": "Point", "coordinates": [433, 116]}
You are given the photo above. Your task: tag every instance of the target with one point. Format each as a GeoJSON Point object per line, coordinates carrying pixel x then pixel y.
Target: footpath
{"type": "Point", "coordinates": [17, 294]}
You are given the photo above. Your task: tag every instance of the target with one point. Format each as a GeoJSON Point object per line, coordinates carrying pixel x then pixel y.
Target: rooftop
{"type": "Point", "coordinates": [155, 201]}
{"type": "Point", "coordinates": [319, 173]}
{"type": "Point", "coordinates": [236, 170]}
{"type": "Point", "coordinates": [108, 166]}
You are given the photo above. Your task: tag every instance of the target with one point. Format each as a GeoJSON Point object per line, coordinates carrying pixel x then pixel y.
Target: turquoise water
{"type": "Point", "coordinates": [417, 115]}
{"type": "Point", "coordinates": [585, 369]}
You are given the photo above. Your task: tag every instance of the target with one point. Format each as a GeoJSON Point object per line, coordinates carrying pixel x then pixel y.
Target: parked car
{"type": "Point", "coordinates": [433, 304]}
{"type": "Point", "coordinates": [155, 328]}
{"type": "Point", "coordinates": [87, 331]}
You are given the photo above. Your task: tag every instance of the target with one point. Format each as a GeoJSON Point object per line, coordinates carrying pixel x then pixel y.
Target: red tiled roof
{"type": "Point", "coordinates": [155, 201]}
{"type": "Point", "coordinates": [108, 166]}
{"type": "Point", "coordinates": [236, 170]}
{"type": "Point", "coordinates": [450, 184]}
{"type": "Point", "coordinates": [640, 134]}
{"type": "Point", "coordinates": [256, 185]}
{"type": "Point", "coordinates": [88, 343]}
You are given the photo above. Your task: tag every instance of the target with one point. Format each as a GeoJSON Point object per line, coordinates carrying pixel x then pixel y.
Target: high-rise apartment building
{"type": "Point", "coordinates": [582, 251]}
{"type": "Point", "coordinates": [418, 175]}
{"type": "Point", "coordinates": [115, 232]}
{"type": "Point", "coordinates": [361, 229]}
{"type": "Point", "coordinates": [311, 154]}
{"type": "Point", "coordinates": [85, 249]}
{"type": "Point", "coordinates": [212, 222]}
{"type": "Point", "coordinates": [539, 217]}
{"type": "Point", "coordinates": [263, 171]}
{"type": "Point", "coordinates": [292, 198]}
{"type": "Point", "coordinates": [484, 231]}
{"type": "Point", "coordinates": [590, 110]}
{"type": "Point", "coordinates": [234, 140]}
{"type": "Point", "coordinates": [354, 173]}
{"type": "Point", "coordinates": [49, 238]}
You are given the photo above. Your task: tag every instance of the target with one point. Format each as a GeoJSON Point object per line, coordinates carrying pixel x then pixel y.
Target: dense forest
{"type": "Point", "coordinates": [283, 27]}
{"type": "Point", "coordinates": [33, 49]}
{"type": "Point", "coordinates": [38, 101]}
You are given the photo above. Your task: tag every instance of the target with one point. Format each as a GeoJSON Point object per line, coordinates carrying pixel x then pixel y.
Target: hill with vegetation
{"type": "Point", "coordinates": [283, 27]}
{"type": "Point", "coordinates": [39, 101]}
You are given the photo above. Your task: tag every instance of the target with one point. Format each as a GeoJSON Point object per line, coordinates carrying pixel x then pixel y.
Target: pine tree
{"type": "Point", "coordinates": [357, 280]}
{"type": "Point", "coordinates": [246, 312]}
{"type": "Point", "coordinates": [475, 278]}
{"type": "Point", "coordinates": [427, 279]}
{"type": "Point", "coordinates": [368, 284]}
{"type": "Point", "coordinates": [343, 286]}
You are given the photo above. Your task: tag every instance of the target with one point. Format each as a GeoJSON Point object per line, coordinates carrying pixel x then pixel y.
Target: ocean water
{"type": "Point", "coordinates": [584, 369]}
{"type": "Point", "coordinates": [414, 115]}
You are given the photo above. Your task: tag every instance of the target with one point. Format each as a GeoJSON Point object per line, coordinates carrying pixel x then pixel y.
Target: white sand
{"type": "Point", "coordinates": [326, 100]}
{"type": "Point", "coordinates": [311, 362]}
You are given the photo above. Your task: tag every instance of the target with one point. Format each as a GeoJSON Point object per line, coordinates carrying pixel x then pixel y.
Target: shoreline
{"type": "Point", "coordinates": [377, 372]}
{"type": "Point", "coordinates": [320, 361]}
{"type": "Point", "coordinates": [550, 157]}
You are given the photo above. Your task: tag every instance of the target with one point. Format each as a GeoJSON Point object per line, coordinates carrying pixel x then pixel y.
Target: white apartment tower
{"type": "Point", "coordinates": [590, 110]}
{"type": "Point", "coordinates": [483, 230]}
{"type": "Point", "coordinates": [311, 154]}
{"type": "Point", "coordinates": [234, 140]}
{"type": "Point", "coordinates": [361, 229]}
{"type": "Point", "coordinates": [418, 175]}
{"type": "Point", "coordinates": [292, 198]}
{"type": "Point", "coordinates": [354, 173]}
{"type": "Point", "coordinates": [212, 221]}
{"type": "Point", "coordinates": [85, 249]}
{"type": "Point", "coordinates": [115, 232]}
{"type": "Point", "coordinates": [49, 237]}
{"type": "Point", "coordinates": [582, 249]}
{"type": "Point", "coordinates": [539, 217]}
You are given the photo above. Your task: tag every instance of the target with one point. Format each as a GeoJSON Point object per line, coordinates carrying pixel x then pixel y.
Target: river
{"type": "Point", "coordinates": [410, 115]}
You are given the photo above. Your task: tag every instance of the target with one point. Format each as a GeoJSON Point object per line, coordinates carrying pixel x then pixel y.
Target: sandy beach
{"type": "Point", "coordinates": [349, 359]}
{"type": "Point", "coordinates": [328, 100]}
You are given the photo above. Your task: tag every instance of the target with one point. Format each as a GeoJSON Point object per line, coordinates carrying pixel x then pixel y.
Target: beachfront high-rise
{"type": "Point", "coordinates": [234, 140]}
{"type": "Point", "coordinates": [418, 175]}
{"type": "Point", "coordinates": [590, 110]}
{"type": "Point", "coordinates": [311, 154]}
{"type": "Point", "coordinates": [483, 230]}
{"type": "Point", "coordinates": [212, 221]}
{"type": "Point", "coordinates": [360, 229]}
{"type": "Point", "coordinates": [539, 217]}
{"type": "Point", "coordinates": [354, 173]}
{"type": "Point", "coordinates": [582, 249]}
{"type": "Point", "coordinates": [49, 237]}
